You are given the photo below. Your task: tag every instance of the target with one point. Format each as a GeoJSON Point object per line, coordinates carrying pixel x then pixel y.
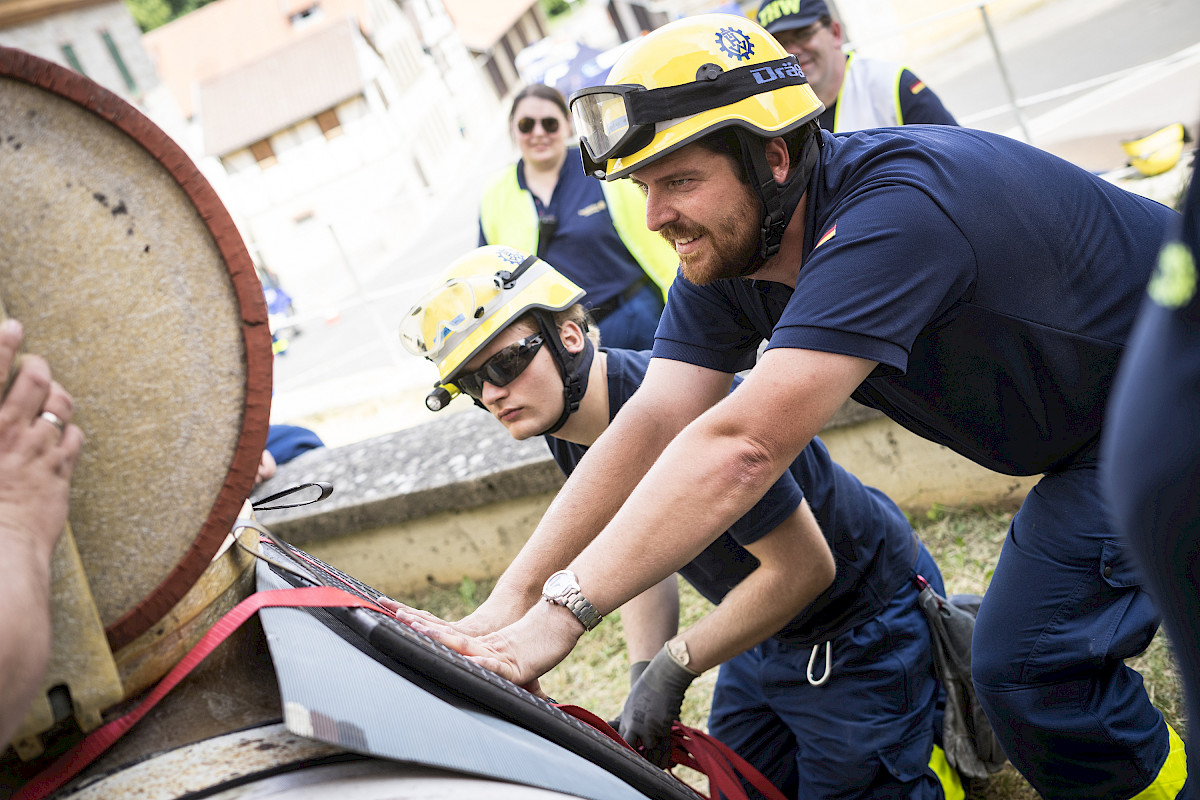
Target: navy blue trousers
{"type": "Point", "coordinates": [867, 732]}
{"type": "Point", "coordinates": [1062, 613]}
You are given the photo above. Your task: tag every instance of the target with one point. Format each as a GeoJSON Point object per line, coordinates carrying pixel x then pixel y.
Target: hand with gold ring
{"type": "Point", "coordinates": [36, 463]}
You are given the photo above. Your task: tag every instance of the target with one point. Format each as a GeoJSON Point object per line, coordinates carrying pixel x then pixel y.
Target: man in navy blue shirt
{"type": "Point", "coordinates": [976, 290]}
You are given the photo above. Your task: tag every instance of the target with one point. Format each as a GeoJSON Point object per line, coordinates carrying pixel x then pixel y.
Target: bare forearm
{"type": "Point", "coordinates": [595, 491]}
{"type": "Point", "coordinates": [756, 609]}
{"type": "Point", "coordinates": [699, 487]}
{"type": "Point", "coordinates": [25, 631]}
{"type": "Point", "coordinates": [795, 566]}
{"type": "Point", "coordinates": [714, 471]}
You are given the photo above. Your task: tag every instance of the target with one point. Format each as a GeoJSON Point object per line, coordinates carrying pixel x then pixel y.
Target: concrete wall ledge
{"type": "Point", "coordinates": [461, 461]}
{"type": "Point", "coordinates": [458, 497]}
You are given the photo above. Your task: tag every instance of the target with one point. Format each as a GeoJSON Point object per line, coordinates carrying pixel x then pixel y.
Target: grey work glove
{"type": "Point", "coordinates": [653, 704]}
{"type": "Point", "coordinates": [635, 671]}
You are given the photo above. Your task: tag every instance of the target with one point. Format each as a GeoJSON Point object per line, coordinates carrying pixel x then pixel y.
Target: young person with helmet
{"type": "Point", "coordinates": [596, 233]}
{"type": "Point", "coordinates": [817, 628]}
{"type": "Point", "coordinates": [858, 92]}
{"type": "Point", "coordinates": [975, 289]}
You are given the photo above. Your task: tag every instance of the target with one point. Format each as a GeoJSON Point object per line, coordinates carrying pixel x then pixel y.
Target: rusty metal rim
{"type": "Point", "coordinates": [239, 480]}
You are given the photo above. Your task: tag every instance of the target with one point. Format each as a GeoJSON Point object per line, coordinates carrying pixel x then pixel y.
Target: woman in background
{"type": "Point", "coordinates": [593, 231]}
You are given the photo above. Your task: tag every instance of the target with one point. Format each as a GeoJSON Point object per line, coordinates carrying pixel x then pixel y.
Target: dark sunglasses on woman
{"type": "Point", "coordinates": [549, 124]}
{"type": "Point", "coordinates": [501, 369]}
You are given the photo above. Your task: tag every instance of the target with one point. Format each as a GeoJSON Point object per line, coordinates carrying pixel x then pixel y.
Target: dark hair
{"type": "Point", "coordinates": [724, 141]}
{"type": "Point", "coordinates": [542, 92]}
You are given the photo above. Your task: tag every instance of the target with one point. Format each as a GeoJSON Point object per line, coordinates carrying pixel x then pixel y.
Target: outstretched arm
{"type": "Point", "coordinates": [711, 474]}
{"type": "Point", "coordinates": [36, 461]}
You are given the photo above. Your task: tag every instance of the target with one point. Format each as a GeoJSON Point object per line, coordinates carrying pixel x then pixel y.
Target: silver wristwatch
{"type": "Point", "coordinates": [562, 588]}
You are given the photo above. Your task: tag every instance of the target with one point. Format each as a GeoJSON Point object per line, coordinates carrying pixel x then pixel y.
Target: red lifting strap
{"type": "Point", "coordinates": [697, 750]}
{"type": "Point", "coordinates": [71, 763]}
{"type": "Point", "coordinates": [690, 747]}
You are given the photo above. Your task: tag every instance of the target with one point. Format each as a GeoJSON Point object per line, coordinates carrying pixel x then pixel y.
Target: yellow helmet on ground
{"type": "Point", "coordinates": [1157, 152]}
{"type": "Point", "coordinates": [476, 298]}
{"type": "Point", "coordinates": [683, 81]}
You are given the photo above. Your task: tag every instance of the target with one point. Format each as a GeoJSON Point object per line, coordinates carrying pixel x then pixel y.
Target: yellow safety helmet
{"type": "Point", "coordinates": [477, 297]}
{"type": "Point", "coordinates": [683, 81]}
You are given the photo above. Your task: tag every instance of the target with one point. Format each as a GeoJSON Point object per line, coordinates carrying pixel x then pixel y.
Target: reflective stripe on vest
{"type": "Point", "coordinates": [507, 213]}
{"type": "Point", "coordinates": [870, 95]}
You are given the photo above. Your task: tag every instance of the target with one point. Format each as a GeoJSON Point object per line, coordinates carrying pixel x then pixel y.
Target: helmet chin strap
{"type": "Point", "coordinates": [779, 201]}
{"type": "Point", "coordinates": [575, 367]}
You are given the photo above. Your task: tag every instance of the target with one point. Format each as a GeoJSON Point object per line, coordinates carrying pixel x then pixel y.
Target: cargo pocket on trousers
{"type": "Point", "coordinates": [907, 761]}
{"type": "Point", "coordinates": [1117, 567]}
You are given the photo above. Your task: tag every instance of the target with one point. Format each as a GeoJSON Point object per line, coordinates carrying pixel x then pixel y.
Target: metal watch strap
{"type": "Point", "coordinates": [562, 588]}
{"type": "Point", "coordinates": [583, 610]}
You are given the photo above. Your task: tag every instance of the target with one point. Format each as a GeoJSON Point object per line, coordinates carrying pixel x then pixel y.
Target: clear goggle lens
{"type": "Point", "coordinates": [455, 306]}
{"type": "Point", "coordinates": [602, 120]}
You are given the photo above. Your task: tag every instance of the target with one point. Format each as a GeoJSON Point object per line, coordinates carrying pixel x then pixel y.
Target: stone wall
{"type": "Point", "coordinates": [457, 497]}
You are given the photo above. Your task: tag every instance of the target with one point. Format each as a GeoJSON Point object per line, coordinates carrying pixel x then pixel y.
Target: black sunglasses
{"type": "Point", "coordinates": [501, 369]}
{"type": "Point", "coordinates": [549, 124]}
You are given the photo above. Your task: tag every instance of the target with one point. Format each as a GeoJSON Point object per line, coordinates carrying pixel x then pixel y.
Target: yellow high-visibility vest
{"type": "Point", "coordinates": [508, 215]}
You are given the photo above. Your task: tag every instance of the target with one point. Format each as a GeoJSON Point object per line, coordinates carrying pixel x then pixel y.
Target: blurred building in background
{"type": "Point", "coordinates": [96, 38]}
{"type": "Point", "coordinates": [495, 31]}
{"type": "Point", "coordinates": [334, 121]}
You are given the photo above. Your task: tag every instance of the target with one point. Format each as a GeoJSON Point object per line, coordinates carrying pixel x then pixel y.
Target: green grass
{"type": "Point", "coordinates": [966, 543]}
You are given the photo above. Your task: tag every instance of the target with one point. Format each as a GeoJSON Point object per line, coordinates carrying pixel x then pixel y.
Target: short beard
{"type": "Point", "coordinates": [732, 243]}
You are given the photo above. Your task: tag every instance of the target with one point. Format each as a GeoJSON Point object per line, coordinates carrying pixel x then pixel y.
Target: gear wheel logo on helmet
{"type": "Point", "coordinates": [735, 43]}
{"type": "Point", "coordinates": [478, 296]}
{"type": "Point", "coordinates": [683, 81]}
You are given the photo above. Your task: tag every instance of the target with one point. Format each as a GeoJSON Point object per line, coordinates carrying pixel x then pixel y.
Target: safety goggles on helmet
{"type": "Point", "coordinates": [454, 306]}
{"type": "Point", "coordinates": [501, 369]}
{"type": "Point", "coordinates": [617, 121]}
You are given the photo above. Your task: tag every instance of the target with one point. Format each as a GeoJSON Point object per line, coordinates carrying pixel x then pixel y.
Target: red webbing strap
{"type": "Point", "coordinates": [697, 750]}
{"type": "Point", "coordinates": [583, 715]}
{"type": "Point", "coordinates": [72, 762]}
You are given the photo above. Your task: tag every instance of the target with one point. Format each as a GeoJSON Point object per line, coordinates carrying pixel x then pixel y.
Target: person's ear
{"type": "Point", "coordinates": [572, 336]}
{"type": "Point", "coordinates": [835, 30]}
{"type": "Point", "coordinates": [778, 159]}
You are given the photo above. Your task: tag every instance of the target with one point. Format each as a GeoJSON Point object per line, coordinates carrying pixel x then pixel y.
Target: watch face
{"type": "Point", "coordinates": [558, 584]}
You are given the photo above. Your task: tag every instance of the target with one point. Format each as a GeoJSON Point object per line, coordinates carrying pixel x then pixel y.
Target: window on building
{"type": "Point", "coordinates": [493, 71]}
{"type": "Point", "coordinates": [263, 153]}
{"type": "Point", "coordinates": [126, 75]}
{"type": "Point", "coordinates": [73, 60]}
{"type": "Point", "coordinates": [329, 123]}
